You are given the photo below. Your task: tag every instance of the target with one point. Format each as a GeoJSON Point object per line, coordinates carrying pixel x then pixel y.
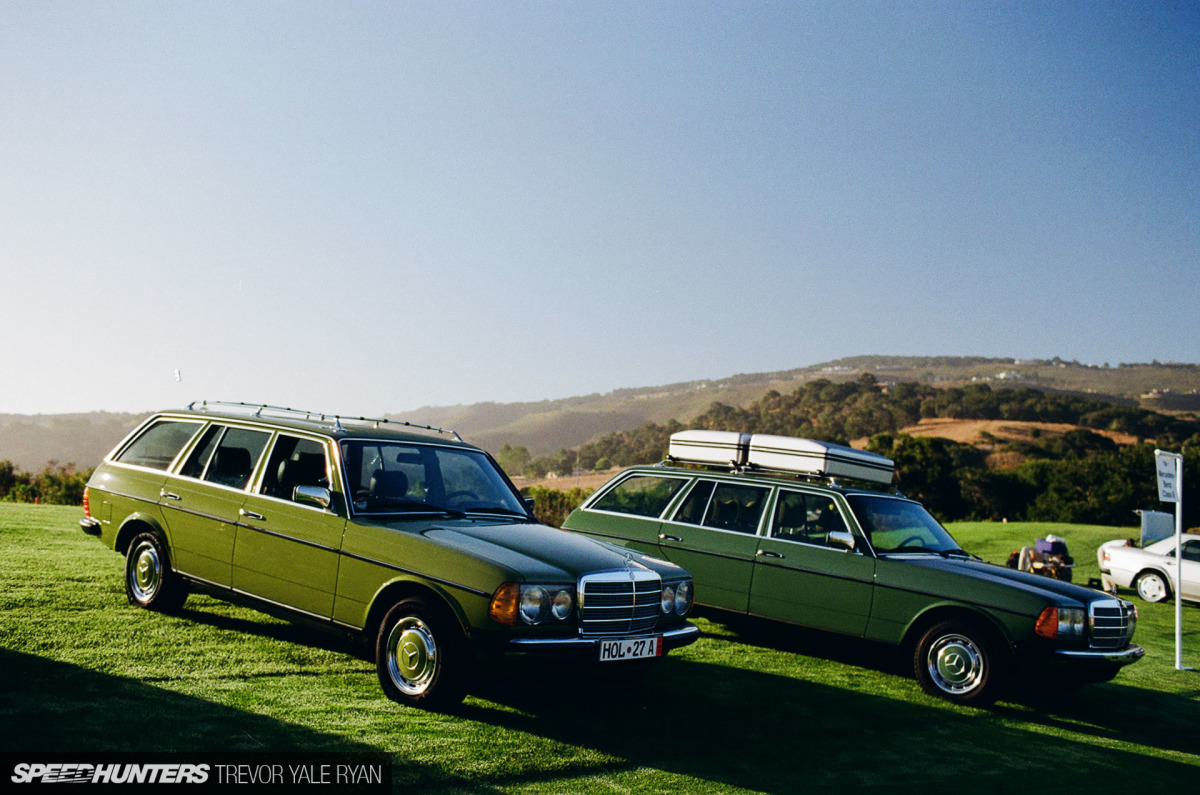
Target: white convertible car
{"type": "Point", "coordinates": [1151, 570]}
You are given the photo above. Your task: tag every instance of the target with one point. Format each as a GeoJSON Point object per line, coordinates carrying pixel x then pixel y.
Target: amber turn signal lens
{"type": "Point", "coordinates": [1047, 623]}
{"type": "Point", "coordinates": [503, 608]}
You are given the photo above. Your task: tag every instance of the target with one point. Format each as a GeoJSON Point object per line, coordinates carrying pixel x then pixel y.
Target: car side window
{"type": "Point", "coordinates": [236, 456]}
{"type": "Point", "coordinates": [806, 518]}
{"type": "Point", "coordinates": [157, 446]}
{"type": "Point", "coordinates": [294, 462]}
{"type": "Point", "coordinates": [1191, 551]}
{"type": "Point", "coordinates": [641, 495]}
{"type": "Point", "coordinates": [201, 453]}
{"type": "Point", "coordinates": [695, 505]}
{"type": "Point", "coordinates": [736, 507]}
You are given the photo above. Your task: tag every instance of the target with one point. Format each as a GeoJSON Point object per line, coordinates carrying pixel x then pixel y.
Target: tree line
{"type": "Point", "coordinates": [1079, 476]}
{"type": "Point", "coordinates": [55, 485]}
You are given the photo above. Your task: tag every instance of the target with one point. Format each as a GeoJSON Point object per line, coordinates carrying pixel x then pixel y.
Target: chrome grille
{"type": "Point", "coordinates": [619, 602]}
{"type": "Point", "coordinates": [1112, 624]}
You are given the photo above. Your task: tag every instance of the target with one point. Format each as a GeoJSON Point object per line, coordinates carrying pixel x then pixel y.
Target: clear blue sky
{"type": "Point", "coordinates": [368, 207]}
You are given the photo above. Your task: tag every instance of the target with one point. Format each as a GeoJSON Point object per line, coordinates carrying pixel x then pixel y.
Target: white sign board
{"type": "Point", "coordinates": [1168, 475]}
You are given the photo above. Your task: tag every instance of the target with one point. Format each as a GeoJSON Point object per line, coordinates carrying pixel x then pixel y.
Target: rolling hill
{"type": "Point", "coordinates": [30, 441]}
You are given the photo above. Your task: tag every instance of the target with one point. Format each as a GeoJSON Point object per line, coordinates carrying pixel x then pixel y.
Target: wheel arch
{"type": "Point", "coordinates": [139, 523]}
{"type": "Point", "coordinates": [1168, 580]}
{"type": "Point", "coordinates": [398, 590]}
{"type": "Point", "coordinates": [939, 613]}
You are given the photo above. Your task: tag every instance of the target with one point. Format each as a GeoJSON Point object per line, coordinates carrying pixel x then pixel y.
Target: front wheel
{"type": "Point", "coordinates": [957, 661]}
{"type": "Point", "coordinates": [421, 659]}
{"type": "Point", "coordinates": [1152, 586]}
{"type": "Point", "coordinates": [149, 580]}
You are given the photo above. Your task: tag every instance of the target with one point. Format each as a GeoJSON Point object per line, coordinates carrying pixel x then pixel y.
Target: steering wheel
{"type": "Point", "coordinates": [454, 495]}
{"type": "Point", "coordinates": [910, 539]}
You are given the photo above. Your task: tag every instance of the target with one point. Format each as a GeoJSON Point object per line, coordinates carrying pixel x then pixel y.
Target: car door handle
{"type": "Point", "coordinates": [168, 495]}
{"type": "Point", "coordinates": [251, 514]}
{"type": "Point", "coordinates": [665, 537]}
{"type": "Point", "coordinates": [767, 554]}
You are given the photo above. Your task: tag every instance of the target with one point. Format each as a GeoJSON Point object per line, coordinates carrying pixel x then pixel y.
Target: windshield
{"type": "Point", "coordinates": [396, 477]}
{"type": "Point", "coordinates": [894, 525]}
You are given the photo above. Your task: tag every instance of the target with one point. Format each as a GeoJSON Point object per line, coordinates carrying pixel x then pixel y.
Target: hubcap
{"type": "Point", "coordinates": [147, 572]}
{"type": "Point", "coordinates": [1151, 589]}
{"type": "Point", "coordinates": [955, 664]}
{"type": "Point", "coordinates": [412, 655]}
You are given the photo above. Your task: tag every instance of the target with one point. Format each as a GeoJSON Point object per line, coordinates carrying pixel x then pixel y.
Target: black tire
{"type": "Point", "coordinates": [150, 581]}
{"type": "Point", "coordinates": [959, 662]}
{"type": "Point", "coordinates": [422, 658]}
{"type": "Point", "coordinates": [1152, 586]}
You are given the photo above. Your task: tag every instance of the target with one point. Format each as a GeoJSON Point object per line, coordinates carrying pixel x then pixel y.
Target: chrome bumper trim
{"type": "Point", "coordinates": [672, 639]}
{"type": "Point", "coordinates": [1121, 657]}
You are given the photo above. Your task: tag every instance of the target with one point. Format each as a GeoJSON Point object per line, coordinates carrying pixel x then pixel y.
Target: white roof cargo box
{"type": "Point", "coordinates": [789, 454]}
{"type": "Point", "coordinates": [779, 453]}
{"type": "Point", "coordinates": [728, 448]}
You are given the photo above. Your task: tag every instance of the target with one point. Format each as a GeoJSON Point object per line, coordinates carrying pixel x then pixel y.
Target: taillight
{"type": "Point", "coordinates": [86, 508]}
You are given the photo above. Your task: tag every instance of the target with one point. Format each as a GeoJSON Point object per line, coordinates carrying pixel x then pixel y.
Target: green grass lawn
{"type": "Point", "coordinates": [750, 707]}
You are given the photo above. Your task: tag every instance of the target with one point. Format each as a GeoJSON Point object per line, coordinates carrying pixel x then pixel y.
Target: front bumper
{"type": "Point", "coordinates": [672, 639]}
{"type": "Point", "coordinates": [1124, 656]}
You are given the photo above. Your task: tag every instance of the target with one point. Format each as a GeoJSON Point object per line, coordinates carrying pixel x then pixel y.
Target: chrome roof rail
{"type": "Point", "coordinates": [319, 416]}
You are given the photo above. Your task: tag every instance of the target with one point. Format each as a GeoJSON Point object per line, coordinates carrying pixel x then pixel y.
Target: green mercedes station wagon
{"type": "Point", "coordinates": [808, 533]}
{"type": "Point", "coordinates": [395, 532]}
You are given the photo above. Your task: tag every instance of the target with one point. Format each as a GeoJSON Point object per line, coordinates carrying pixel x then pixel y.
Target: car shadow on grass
{"type": "Point", "coordinates": [1109, 710]}
{"type": "Point", "coordinates": [774, 733]}
{"type": "Point", "coordinates": [285, 631]}
{"type": "Point", "coordinates": [54, 706]}
{"type": "Point", "coordinates": [51, 707]}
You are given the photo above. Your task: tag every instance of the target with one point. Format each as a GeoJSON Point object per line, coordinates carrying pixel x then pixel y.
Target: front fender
{"type": "Point", "coordinates": [405, 586]}
{"type": "Point", "coordinates": [945, 610]}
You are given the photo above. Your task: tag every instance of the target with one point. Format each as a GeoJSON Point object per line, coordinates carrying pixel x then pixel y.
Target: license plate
{"type": "Point", "coordinates": [630, 649]}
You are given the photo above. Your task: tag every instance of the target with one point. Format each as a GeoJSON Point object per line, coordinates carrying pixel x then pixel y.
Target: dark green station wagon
{"type": "Point", "coordinates": [395, 532]}
{"type": "Point", "coordinates": [808, 533]}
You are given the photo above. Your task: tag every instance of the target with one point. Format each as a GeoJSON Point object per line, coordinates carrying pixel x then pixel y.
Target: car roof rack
{"type": "Point", "coordinates": [837, 481]}
{"type": "Point", "coordinates": [320, 416]}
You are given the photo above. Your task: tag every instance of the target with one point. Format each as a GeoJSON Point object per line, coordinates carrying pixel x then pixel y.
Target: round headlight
{"type": "Point", "coordinates": [562, 605]}
{"type": "Point", "coordinates": [668, 599]}
{"type": "Point", "coordinates": [534, 605]}
{"type": "Point", "coordinates": [683, 598]}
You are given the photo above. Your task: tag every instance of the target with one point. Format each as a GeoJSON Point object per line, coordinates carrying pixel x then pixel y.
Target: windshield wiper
{"type": "Point", "coordinates": [906, 550]}
{"type": "Point", "coordinates": [413, 507]}
{"type": "Point", "coordinates": [500, 510]}
{"type": "Point", "coordinates": [959, 553]}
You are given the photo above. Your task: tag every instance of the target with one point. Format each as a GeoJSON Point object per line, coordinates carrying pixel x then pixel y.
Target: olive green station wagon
{"type": "Point", "coordinates": [399, 533]}
{"type": "Point", "coordinates": [808, 533]}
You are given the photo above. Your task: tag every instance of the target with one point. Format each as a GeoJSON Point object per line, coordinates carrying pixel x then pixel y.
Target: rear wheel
{"type": "Point", "coordinates": [149, 580]}
{"type": "Point", "coordinates": [421, 657]}
{"type": "Point", "coordinates": [1152, 586]}
{"type": "Point", "coordinates": [958, 661]}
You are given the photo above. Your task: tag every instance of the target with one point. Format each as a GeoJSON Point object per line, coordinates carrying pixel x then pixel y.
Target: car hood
{"type": "Point", "coordinates": [542, 553]}
{"type": "Point", "coordinates": [980, 572]}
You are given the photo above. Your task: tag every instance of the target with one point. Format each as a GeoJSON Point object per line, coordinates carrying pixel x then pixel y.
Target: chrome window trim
{"type": "Point", "coordinates": [460, 448]}
{"type": "Point", "coordinates": [843, 509]}
{"type": "Point", "coordinates": [769, 499]}
{"type": "Point", "coordinates": [670, 508]}
{"type": "Point", "coordinates": [269, 450]}
{"type": "Point", "coordinates": [137, 433]}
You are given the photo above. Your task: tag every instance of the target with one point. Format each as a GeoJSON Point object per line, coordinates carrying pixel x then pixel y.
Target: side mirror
{"type": "Point", "coordinates": [841, 538]}
{"type": "Point", "coordinates": [528, 503]}
{"type": "Point", "coordinates": [316, 496]}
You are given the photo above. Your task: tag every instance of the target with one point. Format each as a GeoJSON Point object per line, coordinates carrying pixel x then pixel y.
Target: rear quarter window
{"type": "Point", "coordinates": [157, 446]}
{"type": "Point", "coordinates": [641, 495]}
